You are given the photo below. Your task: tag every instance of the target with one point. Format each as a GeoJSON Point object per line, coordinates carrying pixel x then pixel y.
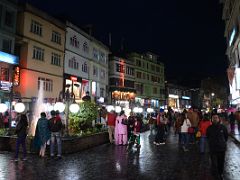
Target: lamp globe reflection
{"type": "Point", "coordinates": [59, 106]}
{"type": "Point", "coordinates": [19, 107]}
{"type": "Point", "coordinates": [3, 107]}
{"type": "Point", "coordinates": [74, 108]}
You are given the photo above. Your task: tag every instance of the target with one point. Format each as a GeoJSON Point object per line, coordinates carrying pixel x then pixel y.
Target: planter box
{"type": "Point", "coordinates": [69, 145]}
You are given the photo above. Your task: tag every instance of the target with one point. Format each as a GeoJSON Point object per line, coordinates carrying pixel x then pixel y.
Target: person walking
{"type": "Point", "coordinates": [217, 136]}
{"type": "Point", "coordinates": [130, 125]}
{"type": "Point", "coordinates": [192, 115]}
{"type": "Point", "coordinates": [159, 138]}
{"type": "Point", "coordinates": [42, 134]}
{"type": "Point", "coordinates": [21, 131]}
{"type": "Point", "coordinates": [55, 126]}
{"type": "Point", "coordinates": [121, 129]}
{"type": "Point", "coordinates": [184, 132]}
{"type": "Point", "coordinates": [111, 119]}
{"type": "Point", "coordinates": [203, 125]}
{"type": "Point", "coordinates": [151, 122]}
{"type": "Point", "coordinates": [232, 122]}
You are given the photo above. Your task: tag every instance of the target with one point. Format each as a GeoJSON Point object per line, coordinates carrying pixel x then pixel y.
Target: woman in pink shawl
{"type": "Point", "coordinates": [121, 129]}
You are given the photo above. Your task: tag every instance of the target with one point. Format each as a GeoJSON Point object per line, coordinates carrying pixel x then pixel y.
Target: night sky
{"type": "Point", "coordinates": [187, 35]}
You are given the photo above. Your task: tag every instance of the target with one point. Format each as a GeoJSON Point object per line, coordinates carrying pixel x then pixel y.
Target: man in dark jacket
{"type": "Point", "coordinates": [21, 131]}
{"type": "Point", "coordinates": [55, 126]}
{"type": "Point", "coordinates": [217, 138]}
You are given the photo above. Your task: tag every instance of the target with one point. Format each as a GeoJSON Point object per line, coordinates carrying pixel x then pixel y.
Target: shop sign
{"type": "Point", "coordinates": [185, 97]}
{"type": "Point", "coordinates": [5, 85]}
{"type": "Point", "coordinates": [8, 58]}
{"type": "Point", "coordinates": [173, 96]}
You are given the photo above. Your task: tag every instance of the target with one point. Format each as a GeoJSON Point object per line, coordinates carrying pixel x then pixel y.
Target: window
{"type": "Point", "coordinates": [95, 71]}
{"type": "Point", "coordinates": [4, 74]}
{"type": "Point", "coordinates": [130, 71]}
{"type": "Point", "coordinates": [154, 90]}
{"type": "Point", "coordinates": [36, 28]}
{"type": "Point", "coordinates": [139, 75]}
{"type": "Point", "coordinates": [144, 76]}
{"type": "Point", "coordinates": [139, 63]}
{"type": "Point", "coordinates": [85, 47]}
{"type": "Point", "coordinates": [7, 45]}
{"type": "Point", "coordinates": [72, 63]}
{"type": "Point", "coordinates": [147, 76]}
{"type": "Point", "coordinates": [162, 91]}
{"type": "Point", "coordinates": [158, 69]}
{"type": "Point", "coordinates": [38, 53]}
{"type": "Point", "coordinates": [45, 84]}
{"type": "Point", "coordinates": [74, 42]}
{"type": "Point", "coordinates": [152, 67]}
{"type": "Point", "coordinates": [119, 68]}
{"type": "Point", "coordinates": [101, 92]}
{"type": "Point", "coordinates": [9, 18]}
{"type": "Point", "coordinates": [102, 57]}
{"type": "Point", "coordinates": [56, 59]}
{"type": "Point", "coordinates": [56, 37]}
{"type": "Point", "coordinates": [84, 67]}
{"type": "Point", "coordinates": [95, 53]}
{"type": "Point", "coordinates": [102, 74]}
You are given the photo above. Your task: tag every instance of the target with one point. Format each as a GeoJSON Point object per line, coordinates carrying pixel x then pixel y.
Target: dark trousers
{"type": "Point", "coordinates": [217, 163]}
{"type": "Point", "coordinates": [159, 138]}
{"type": "Point", "coordinates": [21, 141]}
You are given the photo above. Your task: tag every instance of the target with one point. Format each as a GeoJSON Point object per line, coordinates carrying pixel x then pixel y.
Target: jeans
{"type": "Point", "coordinates": [184, 139]}
{"type": "Point", "coordinates": [21, 141]}
{"type": "Point", "coordinates": [203, 144]}
{"type": "Point", "coordinates": [159, 138]}
{"type": "Point", "coordinates": [59, 143]}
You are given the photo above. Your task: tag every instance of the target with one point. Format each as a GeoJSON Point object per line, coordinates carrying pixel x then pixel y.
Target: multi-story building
{"type": "Point", "coordinates": [178, 97]}
{"type": "Point", "coordinates": [231, 15]}
{"type": "Point", "coordinates": [86, 64]}
{"type": "Point", "coordinates": [121, 81]}
{"type": "Point", "coordinates": [149, 80]}
{"type": "Point", "coordinates": [41, 41]}
{"type": "Point", "coordinates": [8, 17]}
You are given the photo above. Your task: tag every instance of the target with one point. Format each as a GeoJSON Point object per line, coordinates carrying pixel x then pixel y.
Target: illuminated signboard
{"type": "Point", "coordinates": [185, 97]}
{"type": "Point", "coordinates": [73, 78]}
{"type": "Point", "coordinates": [8, 58]}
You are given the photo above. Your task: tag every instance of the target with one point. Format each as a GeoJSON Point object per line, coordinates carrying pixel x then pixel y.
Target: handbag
{"type": "Point", "coordinates": [198, 134]}
{"type": "Point", "coordinates": [190, 130]}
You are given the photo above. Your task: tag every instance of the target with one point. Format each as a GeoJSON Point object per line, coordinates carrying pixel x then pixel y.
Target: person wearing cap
{"type": "Point", "coordinates": [55, 126]}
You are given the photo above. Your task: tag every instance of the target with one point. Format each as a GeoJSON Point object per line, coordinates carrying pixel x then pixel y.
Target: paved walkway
{"type": "Point", "coordinates": [165, 162]}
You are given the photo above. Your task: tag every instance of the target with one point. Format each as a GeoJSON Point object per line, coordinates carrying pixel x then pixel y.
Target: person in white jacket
{"type": "Point", "coordinates": [184, 132]}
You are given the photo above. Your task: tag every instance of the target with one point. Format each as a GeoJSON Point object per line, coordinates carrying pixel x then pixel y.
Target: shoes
{"type": "Point", "coordinates": [24, 159]}
{"type": "Point", "coordinates": [59, 157]}
{"type": "Point", "coordinates": [162, 143]}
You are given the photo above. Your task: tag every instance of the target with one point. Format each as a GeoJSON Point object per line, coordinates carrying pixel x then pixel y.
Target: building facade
{"type": "Point", "coordinates": [8, 59]}
{"type": "Point", "coordinates": [41, 42]}
{"type": "Point", "coordinates": [149, 80]}
{"type": "Point", "coordinates": [121, 82]}
{"type": "Point", "coordinates": [231, 14]}
{"type": "Point", "coordinates": [86, 65]}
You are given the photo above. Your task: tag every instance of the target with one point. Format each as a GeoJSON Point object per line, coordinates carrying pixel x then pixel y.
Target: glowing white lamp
{"type": "Point", "coordinates": [19, 107]}
{"type": "Point", "coordinates": [140, 110]}
{"type": "Point", "coordinates": [135, 110]}
{"type": "Point", "coordinates": [110, 108]}
{"type": "Point", "coordinates": [74, 108]}
{"type": "Point", "coordinates": [3, 107]}
{"type": "Point", "coordinates": [118, 109]}
{"type": "Point", "coordinates": [149, 110]}
{"type": "Point", "coordinates": [59, 106]}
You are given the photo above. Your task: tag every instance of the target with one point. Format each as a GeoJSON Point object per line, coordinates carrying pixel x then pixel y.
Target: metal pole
{"type": "Point", "coordinates": [67, 114]}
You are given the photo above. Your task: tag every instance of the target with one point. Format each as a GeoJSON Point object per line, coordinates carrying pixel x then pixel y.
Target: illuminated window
{"type": "Point", "coordinates": [38, 53]}
{"type": "Point", "coordinates": [56, 37]}
{"type": "Point", "coordinates": [46, 83]}
{"type": "Point", "coordinates": [36, 28]}
{"type": "Point", "coordinates": [119, 68]}
{"type": "Point", "coordinates": [56, 59]}
{"type": "Point", "coordinates": [4, 74]}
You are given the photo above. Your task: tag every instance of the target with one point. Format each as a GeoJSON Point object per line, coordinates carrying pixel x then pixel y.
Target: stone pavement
{"type": "Point", "coordinates": [165, 162]}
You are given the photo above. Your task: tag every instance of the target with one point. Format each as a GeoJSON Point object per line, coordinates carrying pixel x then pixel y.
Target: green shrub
{"type": "Point", "coordinates": [3, 131]}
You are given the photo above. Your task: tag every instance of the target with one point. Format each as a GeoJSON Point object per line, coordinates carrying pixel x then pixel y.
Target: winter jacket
{"type": "Point", "coordinates": [55, 125]}
{"type": "Point", "coordinates": [203, 125]}
{"type": "Point", "coordinates": [21, 128]}
{"type": "Point", "coordinates": [217, 137]}
{"type": "Point", "coordinates": [185, 126]}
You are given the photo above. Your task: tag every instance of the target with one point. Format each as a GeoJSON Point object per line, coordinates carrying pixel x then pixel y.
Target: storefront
{"type": "Point", "coordinates": [73, 86]}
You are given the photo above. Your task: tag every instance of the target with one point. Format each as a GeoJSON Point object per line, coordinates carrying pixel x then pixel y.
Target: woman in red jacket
{"type": "Point", "coordinates": [203, 125]}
